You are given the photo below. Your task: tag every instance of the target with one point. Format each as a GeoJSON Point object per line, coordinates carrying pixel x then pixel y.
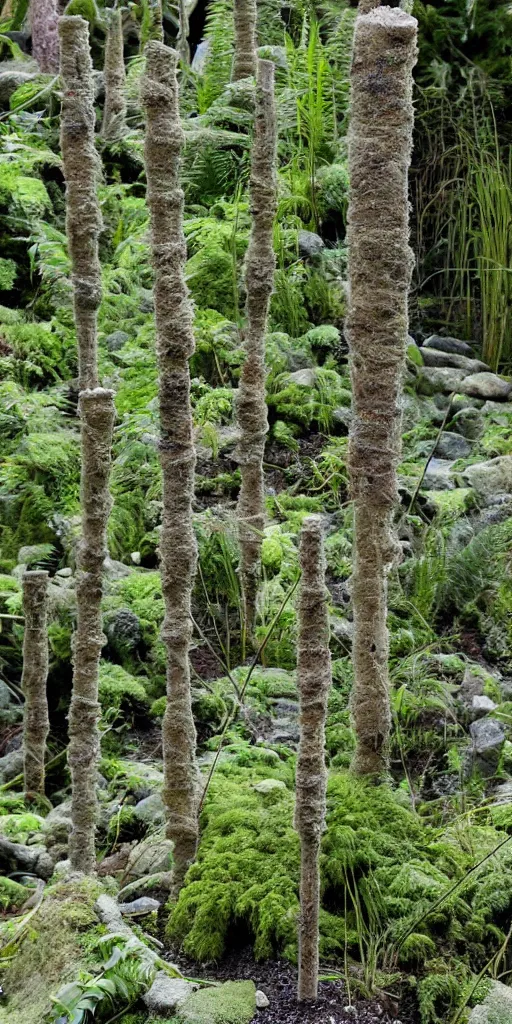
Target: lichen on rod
{"type": "Point", "coordinates": [81, 171]}
{"type": "Point", "coordinates": [245, 58]}
{"type": "Point", "coordinates": [114, 113]}
{"type": "Point", "coordinates": [36, 724]}
{"type": "Point", "coordinates": [97, 415]}
{"type": "Point", "coordinates": [175, 345]}
{"type": "Point", "coordinates": [380, 268]}
{"type": "Point", "coordinates": [314, 679]}
{"type": "Point", "coordinates": [251, 405]}
{"type": "Point", "coordinates": [96, 410]}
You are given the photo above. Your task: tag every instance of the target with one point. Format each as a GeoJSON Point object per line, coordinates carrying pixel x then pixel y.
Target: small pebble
{"type": "Point", "coordinates": [262, 1001]}
{"type": "Point", "coordinates": [350, 1011]}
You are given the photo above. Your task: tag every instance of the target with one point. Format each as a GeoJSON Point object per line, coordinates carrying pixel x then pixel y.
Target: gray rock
{"type": "Point", "coordinates": [33, 859]}
{"type": "Point", "coordinates": [468, 423]}
{"type": "Point", "coordinates": [503, 793]}
{"type": "Point", "coordinates": [269, 786]}
{"type": "Point", "coordinates": [149, 857]}
{"type": "Point", "coordinates": [6, 695]}
{"type": "Point", "coordinates": [116, 340]}
{"type": "Point", "coordinates": [310, 244]}
{"type": "Point", "coordinates": [488, 737]}
{"type": "Point", "coordinates": [482, 705]}
{"type": "Point", "coordinates": [151, 809]}
{"type": "Point", "coordinates": [11, 765]}
{"type": "Point", "coordinates": [487, 385]}
{"type": "Point", "coordinates": [452, 446]}
{"type": "Point", "coordinates": [304, 378]}
{"type": "Point", "coordinates": [460, 348]}
{"type": "Point", "coordinates": [10, 80]}
{"type": "Point", "coordinates": [473, 683]}
{"type": "Point", "coordinates": [124, 631]}
{"type": "Point", "coordinates": [496, 1007]}
{"type": "Point", "coordinates": [342, 630]}
{"type": "Point", "coordinates": [444, 379]}
{"type": "Point", "coordinates": [438, 476]}
{"type": "Point", "coordinates": [262, 1001]}
{"type": "Point", "coordinates": [283, 706]}
{"type": "Point", "coordinates": [343, 416]}
{"type": "Point", "coordinates": [140, 907]}
{"type": "Point", "coordinates": [498, 412]}
{"type": "Point", "coordinates": [432, 357]}
{"type": "Point", "coordinates": [491, 478]}
{"type": "Point", "coordinates": [200, 56]}
{"type": "Point", "coordinates": [64, 574]}
{"type": "Point", "coordinates": [167, 994]}
{"type": "Point", "coordinates": [286, 731]}
{"type": "Point", "coordinates": [147, 301]}
{"type": "Point", "coordinates": [115, 570]}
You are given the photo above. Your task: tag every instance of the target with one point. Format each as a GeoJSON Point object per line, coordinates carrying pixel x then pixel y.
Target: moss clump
{"type": "Point", "coordinates": [12, 895]}
{"type": "Point", "coordinates": [122, 691]}
{"type": "Point", "coordinates": [51, 952]}
{"type": "Point", "coordinates": [246, 870]}
{"type": "Point", "coordinates": [18, 827]}
{"type": "Point", "coordinates": [231, 1003]}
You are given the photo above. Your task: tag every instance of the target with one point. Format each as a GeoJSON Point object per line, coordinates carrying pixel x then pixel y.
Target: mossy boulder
{"type": "Point", "coordinates": [51, 953]}
{"type": "Point", "coordinates": [231, 1003]}
{"type": "Point", "coordinates": [12, 895]}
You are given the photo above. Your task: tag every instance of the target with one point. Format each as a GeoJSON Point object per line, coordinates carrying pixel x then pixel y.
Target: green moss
{"type": "Point", "coordinates": [12, 895]}
{"type": "Point", "coordinates": [50, 953]}
{"type": "Point", "coordinates": [451, 504]}
{"type": "Point", "coordinates": [18, 827]}
{"type": "Point", "coordinates": [246, 870]}
{"type": "Point", "coordinates": [121, 691]}
{"type": "Point", "coordinates": [231, 1003]}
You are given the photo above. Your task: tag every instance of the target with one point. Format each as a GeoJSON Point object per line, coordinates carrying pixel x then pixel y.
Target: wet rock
{"type": "Point", "coordinates": [488, 737]}
{"type": "Point", "coordinates": [431, 357]}
{"type": "Point", "coordinates": [151, 809]}
{"type": "Point", "coordinates": [491, 478]}
{"type": "Point", "coordinates": [140, 907]}
{"type": "Point", "coordinates": [452, 446]}
{"type": "Point", "coordinates": [438, 476]}
{"type": "Point", "coordinates": [167, 994]}
{"type": "Point", "coordinates": [460, 348]}
{"type": "Point", "coordinates": [310, 244]}
{"type": "Point", "coordinates": [116, 340]}
{"type": "Point", "coordinates": [444, 379]}
{"type": "Point", "coordinates": [469, 423]}
{"type": "Point", "coordinates": [487, 385]}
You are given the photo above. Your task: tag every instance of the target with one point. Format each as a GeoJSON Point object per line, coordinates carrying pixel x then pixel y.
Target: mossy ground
{"type": "Point", "coordinates": [50, 953]}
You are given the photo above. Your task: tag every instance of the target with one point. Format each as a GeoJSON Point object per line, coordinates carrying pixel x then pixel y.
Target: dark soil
{"type": "Point", "coordinates": [278, 980]}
